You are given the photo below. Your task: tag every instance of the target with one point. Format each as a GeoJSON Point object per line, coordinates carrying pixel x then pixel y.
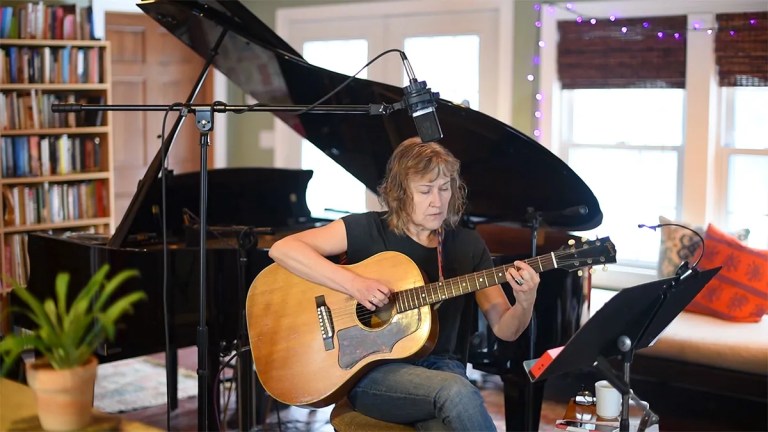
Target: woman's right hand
{"type": "Point", "coordinates": [370, 293]}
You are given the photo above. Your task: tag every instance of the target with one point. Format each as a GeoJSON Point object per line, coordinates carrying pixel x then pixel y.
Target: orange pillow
{"type": "Point", "coordinates": [739, 292]}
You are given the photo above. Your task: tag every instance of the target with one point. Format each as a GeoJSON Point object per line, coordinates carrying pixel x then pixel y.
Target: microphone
{"type": "Point", "coordinates": [421, 103]}
{"type": "Point", "coordinates": [683, 268]}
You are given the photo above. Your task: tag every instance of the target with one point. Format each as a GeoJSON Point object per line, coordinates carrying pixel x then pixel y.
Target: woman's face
{"type": "Point", "coordinates": [431, 195]}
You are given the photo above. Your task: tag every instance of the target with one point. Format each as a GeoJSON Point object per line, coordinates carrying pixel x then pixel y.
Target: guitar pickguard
{"type": "Point", "coordinates": [357, 343]}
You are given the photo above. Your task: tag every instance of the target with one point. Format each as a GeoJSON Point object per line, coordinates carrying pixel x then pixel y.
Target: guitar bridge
{"type": "Point", "coordinates": [325, 320]}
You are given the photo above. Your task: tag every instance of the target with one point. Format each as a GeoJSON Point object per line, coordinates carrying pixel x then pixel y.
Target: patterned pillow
{"type": "Point", "coordinates": [739, 292]}
{"type": "Point", "coordinates": [679, 244]}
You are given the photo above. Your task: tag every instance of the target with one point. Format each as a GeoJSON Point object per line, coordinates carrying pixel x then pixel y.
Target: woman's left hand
{"type": "Point", "coordinates": [525, 282]}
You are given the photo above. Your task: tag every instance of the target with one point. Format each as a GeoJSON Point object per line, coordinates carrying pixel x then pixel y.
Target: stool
{"type": "Point", "coordinates": [344, 418]}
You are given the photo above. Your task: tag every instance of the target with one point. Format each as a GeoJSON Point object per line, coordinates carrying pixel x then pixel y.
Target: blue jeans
{"type": "Point", "coordinates": [432, 394]}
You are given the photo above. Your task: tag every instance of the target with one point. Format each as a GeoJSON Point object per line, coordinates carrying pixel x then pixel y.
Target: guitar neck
{"type": "Point", "coordinates": [414, 298]}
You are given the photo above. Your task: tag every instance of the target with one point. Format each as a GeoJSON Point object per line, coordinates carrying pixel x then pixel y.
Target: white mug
{"type": "Point", "coordinates": [608, 400]}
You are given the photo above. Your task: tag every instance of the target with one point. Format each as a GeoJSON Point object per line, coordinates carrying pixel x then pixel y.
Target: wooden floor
{"type": "Point", "coordinates": [298, 419]}
{"type": "Point", "coordinates": [674, 409]}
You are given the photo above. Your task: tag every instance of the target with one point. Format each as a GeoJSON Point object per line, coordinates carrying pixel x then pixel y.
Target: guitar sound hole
{"type": "Point", "coordinates": [374, 319]}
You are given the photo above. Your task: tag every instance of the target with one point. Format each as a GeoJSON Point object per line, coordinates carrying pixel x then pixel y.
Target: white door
{"type": "Point", "coordinates": [454, 46]}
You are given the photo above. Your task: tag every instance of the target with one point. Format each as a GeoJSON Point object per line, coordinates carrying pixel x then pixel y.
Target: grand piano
{"type": "Point", "coordinates": [249, 208]}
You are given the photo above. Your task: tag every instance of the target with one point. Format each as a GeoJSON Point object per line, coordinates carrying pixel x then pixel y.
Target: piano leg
{"type": "Point", "coordinates": [522, 403]}
{"type": "Point", "coordinates": [245, 392]}
{"type": "Point", "coordinates": [210, 411]}
{"type": "Point", "coordinates": [245, 370]}
{"type": "Point", "coordinates": [173, 379]}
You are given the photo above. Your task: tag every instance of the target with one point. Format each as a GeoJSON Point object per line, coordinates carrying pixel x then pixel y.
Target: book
{"type": "Point", "coordinates": [585, 426]}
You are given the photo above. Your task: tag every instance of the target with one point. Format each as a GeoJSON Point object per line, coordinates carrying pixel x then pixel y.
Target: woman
{"type": "Point", "coordinates": [424, 197]}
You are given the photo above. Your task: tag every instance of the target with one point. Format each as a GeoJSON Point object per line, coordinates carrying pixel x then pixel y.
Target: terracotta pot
{"type": "Point", "coordinates": [64, 397]}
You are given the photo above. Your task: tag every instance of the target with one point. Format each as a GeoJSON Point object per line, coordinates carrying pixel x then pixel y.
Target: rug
{"type": "Point", "coordinates": [132, 384]}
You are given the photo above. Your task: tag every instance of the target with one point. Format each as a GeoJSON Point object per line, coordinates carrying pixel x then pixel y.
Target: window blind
{"type": "Point", "coordinates": [624, 53]}
{"type": "Point", "coordinates": [741, 49]}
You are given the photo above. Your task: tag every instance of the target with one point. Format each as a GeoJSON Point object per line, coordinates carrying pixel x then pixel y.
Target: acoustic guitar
{"type": "Point", "coordinates": [310, 343]}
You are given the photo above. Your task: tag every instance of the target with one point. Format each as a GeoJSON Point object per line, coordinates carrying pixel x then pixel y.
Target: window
{"type": "Point", "coordinates": [629, 154]}
{"type": "Point", "coordinates": [333, 188]}
{"type": "Point", "coordinates": [745, 156]}
{"type": "Point", "coordinates": [743, 75]}
{"type": "Point", "coordinates": [695, 152]}
{"type": "Point", "coordinates": [436, 57]}
{"type": "Point", "coordinates": [459, 58]}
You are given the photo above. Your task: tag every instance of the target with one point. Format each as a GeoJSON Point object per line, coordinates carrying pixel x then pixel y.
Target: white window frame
{"type": "Point", "coordinates": [292, 21]}
{"type": "Point", "coordinates": [702, 196]}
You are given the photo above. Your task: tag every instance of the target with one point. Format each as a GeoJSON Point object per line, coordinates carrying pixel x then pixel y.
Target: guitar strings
{"type": "Point", "coordinates": [368, 313]}
{"type": "Point", "coordinates": [548, 260]}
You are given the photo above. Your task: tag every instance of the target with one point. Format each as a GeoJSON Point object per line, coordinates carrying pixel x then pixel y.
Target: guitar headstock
{"type": "Point", "coordinates": [586, 253]}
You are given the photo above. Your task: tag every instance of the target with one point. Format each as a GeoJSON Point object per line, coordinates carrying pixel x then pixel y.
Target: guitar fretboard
{"type": "Point", "coordinates": [435, 292]}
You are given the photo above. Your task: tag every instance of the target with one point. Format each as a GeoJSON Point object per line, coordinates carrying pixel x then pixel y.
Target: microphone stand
{"type": "Point", "coordinates": [204, 121]}
{"type": "Point", "coordinates": [534, 218]}
{"type": "Point", "coordinates": [627, 347]}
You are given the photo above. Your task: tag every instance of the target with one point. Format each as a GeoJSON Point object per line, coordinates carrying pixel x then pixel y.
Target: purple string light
{"type": "Point", "coordinates": [696, 26]}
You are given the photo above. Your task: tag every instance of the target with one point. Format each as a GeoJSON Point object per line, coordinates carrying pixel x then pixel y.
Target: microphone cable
{"type": "Point", "coordinates": [163, 230]}
{"type": "Point", "coordinates": [348, 80]}
{"type": "Point", "coordinates": [661, 225]}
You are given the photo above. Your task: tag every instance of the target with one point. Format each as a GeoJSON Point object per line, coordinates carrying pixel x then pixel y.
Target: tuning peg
{"type": "Point", "coordinates": [580, 273]}
{"type": "Point", "coordinates": [571, 242]}
{"type": "Point", "coordinates": [605, 268]}
{"type": "Point", "coordinates": [584, 239]}
{"type": "Point", "coordinates": [591, 270]}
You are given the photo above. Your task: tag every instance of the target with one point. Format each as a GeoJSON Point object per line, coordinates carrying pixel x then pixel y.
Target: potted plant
{"type": "Point", "coordinates": [66, 336]}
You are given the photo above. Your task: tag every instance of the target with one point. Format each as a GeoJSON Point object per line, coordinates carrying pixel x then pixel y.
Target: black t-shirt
{"type": "Point", "coordinates": [464, 252]}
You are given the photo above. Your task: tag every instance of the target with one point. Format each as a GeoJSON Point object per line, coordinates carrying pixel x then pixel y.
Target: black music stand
{"type": "Point", "coordinates": [630, 321]}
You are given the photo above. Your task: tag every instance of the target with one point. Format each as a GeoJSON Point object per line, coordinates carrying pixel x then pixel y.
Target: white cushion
{"type": "Point", "coordinates": [702, 339]}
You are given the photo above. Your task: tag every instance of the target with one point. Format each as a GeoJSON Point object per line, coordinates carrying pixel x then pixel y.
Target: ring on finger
{"type": "Point", "coordinates": [519, 281]}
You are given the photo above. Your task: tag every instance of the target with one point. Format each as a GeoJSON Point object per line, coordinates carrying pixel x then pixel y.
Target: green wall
{"type": "Point", "coordinates": [243, 130]}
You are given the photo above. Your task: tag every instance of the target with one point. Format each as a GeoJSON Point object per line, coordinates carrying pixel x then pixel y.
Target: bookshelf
{"type": "Point", "coordinates": [57, 168]}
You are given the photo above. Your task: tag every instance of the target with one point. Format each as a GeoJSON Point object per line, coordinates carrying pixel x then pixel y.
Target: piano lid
{"type": "Point", "coordinates": [506, 171]}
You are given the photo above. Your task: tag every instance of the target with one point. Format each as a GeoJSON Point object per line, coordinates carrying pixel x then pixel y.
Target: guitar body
{"type": "Point", "coordinates": [310, 344]}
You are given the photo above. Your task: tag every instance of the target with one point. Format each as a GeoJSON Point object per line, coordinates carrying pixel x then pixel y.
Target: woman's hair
{"type": "Point", "coordinates": [413, 159]}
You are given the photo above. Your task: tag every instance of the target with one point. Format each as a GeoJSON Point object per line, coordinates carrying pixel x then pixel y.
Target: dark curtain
{"type": "Point", "coordinates": [741, 49]}
{"type": "Point", "coordinates": [601, 55]}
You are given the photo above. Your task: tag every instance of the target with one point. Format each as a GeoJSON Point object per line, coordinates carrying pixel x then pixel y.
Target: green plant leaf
{"type": "Point", "coordinates": [111, 285]}
{"type": "Point", "coordinates": [13, 345]}
{"type": "Point", "coordinates": [118, 308]}
{"type": "Point", "coordinates": [37, 312]}
{"type": "Point", "coordinates": [67, 335]}
{"type": "Point", "coordinates": [82, 302]}
{"type": "Point", "coordinates": [50, 309]}
{"type": "Point", "coordinates": [61, 302]}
